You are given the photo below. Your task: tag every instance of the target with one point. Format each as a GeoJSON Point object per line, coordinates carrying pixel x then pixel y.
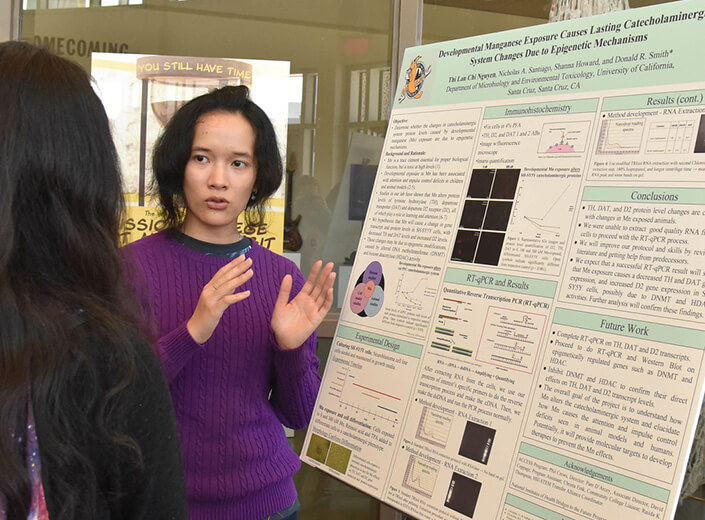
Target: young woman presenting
{"type": "Point", "coordinates": [237, 350]}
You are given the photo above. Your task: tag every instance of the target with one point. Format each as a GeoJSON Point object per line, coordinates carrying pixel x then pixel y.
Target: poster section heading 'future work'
{"type": "Point", "coordinates": [523, 333]}
{"type": "Point", "coordinates": [142, 92]}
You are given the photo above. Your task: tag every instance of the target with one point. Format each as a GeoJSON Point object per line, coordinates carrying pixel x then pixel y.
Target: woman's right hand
{"type": "Point", "coordinates": [217, 295]}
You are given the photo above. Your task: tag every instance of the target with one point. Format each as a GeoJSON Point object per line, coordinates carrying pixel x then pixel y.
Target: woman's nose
{"type": "Point", "coordinates": [217, 178]}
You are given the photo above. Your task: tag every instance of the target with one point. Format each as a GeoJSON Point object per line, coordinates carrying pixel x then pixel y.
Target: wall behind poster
{"type": "Point", "coordinates": [522, 336]}
{"type": "Point", "coordinates": [141, 92]}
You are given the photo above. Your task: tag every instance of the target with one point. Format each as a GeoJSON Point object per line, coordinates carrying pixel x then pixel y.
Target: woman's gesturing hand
{"type": "Point", "coordinates": [217, 295]}
{"type": "Point", "coordinates": [294, 321]}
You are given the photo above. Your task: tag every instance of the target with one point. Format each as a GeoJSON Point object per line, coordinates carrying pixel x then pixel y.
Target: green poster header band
{"type": "Point", "coordinates": [605, 52]}
{"type": "Point", "coordinates": [578, 106]}
{"type": "Point", "coordinates": [654, 101]}
{"type": "Point", "coordinates": [371, 339]}
{"type": "Point", "coordinates": [666, 334]}
{"type": "Point", "coordinates": [648, 195]}
{"type": "Point", "coordinates": [595, 472]}
{"type": "Point", "coordinates": [501, 282]}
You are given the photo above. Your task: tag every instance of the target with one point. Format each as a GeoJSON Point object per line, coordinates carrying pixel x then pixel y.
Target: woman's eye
{"type": "Point", "coordinates": [200, 158]}
{"type": "Point", "coordinates": [239, 164]}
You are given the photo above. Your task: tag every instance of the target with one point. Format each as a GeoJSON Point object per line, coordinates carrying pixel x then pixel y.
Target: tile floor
{"type": "Point", "coordinates": [692, 509]}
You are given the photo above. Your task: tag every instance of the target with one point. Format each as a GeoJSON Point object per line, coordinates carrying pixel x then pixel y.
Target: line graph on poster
{"type": "Point", "coordinates": [368, 400]}
{"type": "Point", "coordinates": [420, 476]}
{"type": "Point", "coordinates": [552, 221]}
{"type": "Point", "coordinates": [434, 427]}
{"type": "Point", "coordinates": [620, 136]}
{"type": "Point", "coordinates": [414, 290]}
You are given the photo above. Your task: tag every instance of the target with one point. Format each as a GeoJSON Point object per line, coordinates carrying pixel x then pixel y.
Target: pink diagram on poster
{"type": "Point", "coordinates": [368, 295]}
{"type": "Point", "coordinates": [358, 300]}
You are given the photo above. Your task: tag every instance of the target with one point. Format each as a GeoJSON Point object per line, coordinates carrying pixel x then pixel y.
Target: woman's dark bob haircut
{"type": "Point", "coordinates": [172, 152]}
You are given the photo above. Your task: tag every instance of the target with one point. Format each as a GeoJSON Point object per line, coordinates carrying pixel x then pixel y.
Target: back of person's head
{"type": "Point", "coordinates": [61, 186]}
{"type": "Point", "coordinates": [60, 275]}
{"type": "Point", "coordinates": [173, 150]}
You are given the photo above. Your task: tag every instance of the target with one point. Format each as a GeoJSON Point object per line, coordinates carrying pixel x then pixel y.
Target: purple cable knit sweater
{"type": "Point", "coordinates": [237, 460]}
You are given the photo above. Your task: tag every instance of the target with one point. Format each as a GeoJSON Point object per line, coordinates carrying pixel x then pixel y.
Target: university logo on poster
{"type": "Point", "coordinates": [416, 74]}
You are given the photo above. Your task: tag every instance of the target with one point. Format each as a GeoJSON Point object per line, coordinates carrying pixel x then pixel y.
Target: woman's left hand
{"type": "Point", "coordinates": [294, 321]}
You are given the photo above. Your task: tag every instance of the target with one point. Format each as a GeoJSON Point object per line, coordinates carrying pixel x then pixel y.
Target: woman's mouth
{"type": "Point", "coordinates": [216, 203]}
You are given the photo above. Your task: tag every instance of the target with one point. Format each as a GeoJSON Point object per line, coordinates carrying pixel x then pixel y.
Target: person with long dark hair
{"type": "Point", "coordinates": [87, 428]}
{"type": "Point", "coordinates": [238, 352]}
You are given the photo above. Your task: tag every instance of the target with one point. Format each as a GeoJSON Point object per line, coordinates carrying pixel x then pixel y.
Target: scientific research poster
{"type": "Point", "coordinates": [523, 331]}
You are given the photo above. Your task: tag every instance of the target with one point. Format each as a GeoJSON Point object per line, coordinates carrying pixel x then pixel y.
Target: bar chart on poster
{"type": "Point", "coordinates": [523, 336]}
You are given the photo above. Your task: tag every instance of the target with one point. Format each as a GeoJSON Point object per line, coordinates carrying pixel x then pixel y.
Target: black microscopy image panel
{"type": "Point", "coordinates": [465, 245]}
{"type": "Point", "coordinates": [505, 184]}
{"type": "Point", "coordinates": [700, 139]}
{"type": "Point", "coordinates": [477, 442]}
{"type": "Point", "coordinates": [480, 184]}
{"type": "Point", "coordinates": [498, 215]}
{"type": "Point", "coordinates": [489, 248]}
{"type": "Point", "coordinates": [473, 214]}
{"type": "Point", "coordinates": [463, 493]}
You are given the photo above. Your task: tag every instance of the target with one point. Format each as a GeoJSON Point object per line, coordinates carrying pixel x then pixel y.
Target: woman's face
{"type": "Point", "coordinates": [219, 176]}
